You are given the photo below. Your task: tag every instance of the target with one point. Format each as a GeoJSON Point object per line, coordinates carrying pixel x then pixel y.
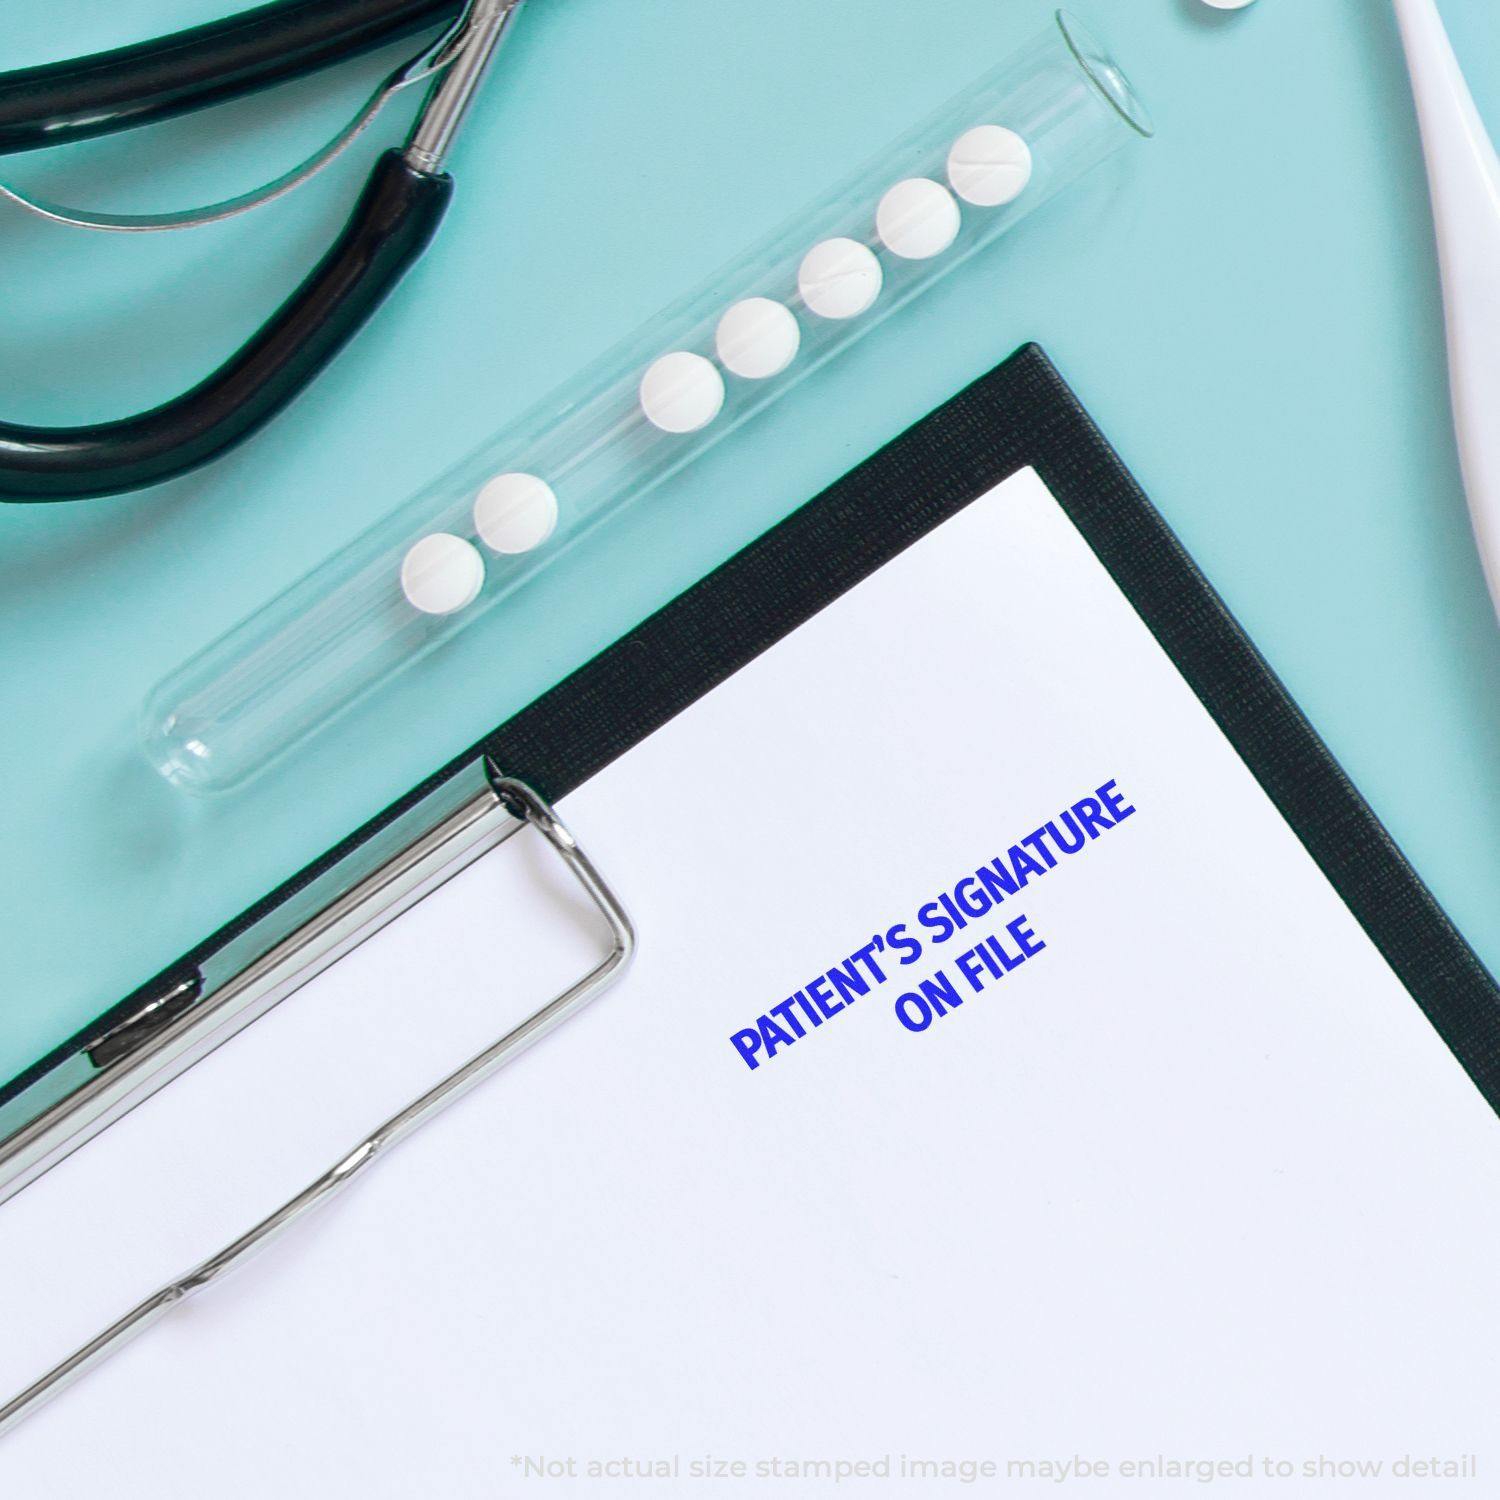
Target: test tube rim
{"type": "Point", "coordinates": [1118, 92]}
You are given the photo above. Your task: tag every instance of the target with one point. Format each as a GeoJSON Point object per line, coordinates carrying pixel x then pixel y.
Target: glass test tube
{"type": "Point", "coordinates": [443, 559]}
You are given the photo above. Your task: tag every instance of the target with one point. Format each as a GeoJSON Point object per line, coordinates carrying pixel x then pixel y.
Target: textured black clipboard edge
{"type": "Point", "coordinates": [1020, 414]}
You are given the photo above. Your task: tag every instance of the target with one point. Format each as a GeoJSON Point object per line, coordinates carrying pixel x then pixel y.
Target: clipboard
{"type": "Point", "coordinates": [1020, 415]}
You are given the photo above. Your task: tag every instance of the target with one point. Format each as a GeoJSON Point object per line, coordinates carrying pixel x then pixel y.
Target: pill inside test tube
{"type": "Point", "coordinates": [757, 338]}
{"type": "Point", "coordinates": [641, 415]}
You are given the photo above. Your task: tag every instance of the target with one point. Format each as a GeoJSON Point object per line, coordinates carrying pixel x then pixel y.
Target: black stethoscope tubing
{"type": "Point", "coordinates": [392, 222]}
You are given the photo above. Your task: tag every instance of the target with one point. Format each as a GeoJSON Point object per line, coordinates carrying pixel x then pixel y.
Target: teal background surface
{"type": "Point", "coordinates": [1248, 305]}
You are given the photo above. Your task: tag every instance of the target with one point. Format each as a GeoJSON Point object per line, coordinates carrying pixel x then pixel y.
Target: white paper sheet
{"type": "Point", "coordinates": [1197, 1182]}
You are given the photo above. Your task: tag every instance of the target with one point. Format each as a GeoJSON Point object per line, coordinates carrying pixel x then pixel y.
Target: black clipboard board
{"type": "Point", "coordinates": [1020, 414]}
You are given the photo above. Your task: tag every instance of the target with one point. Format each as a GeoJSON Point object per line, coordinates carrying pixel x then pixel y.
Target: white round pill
{"type": "Point", "coordinates": [989, 165]}
{"type": "Point", "coordinates": [839, 278]}
{"type": "Point", "coordinates": [757, 338]}
{"type": "Point", "coordinates": [917, 219]}
{"type": "Point", "coordinates": [682, 392]}
{"type": "Point", "coordinates": [515, 512]}
{"type": "Point", "coordinates": [1227, 4]}
{"type": "Point", "coordinates": [441, 573]}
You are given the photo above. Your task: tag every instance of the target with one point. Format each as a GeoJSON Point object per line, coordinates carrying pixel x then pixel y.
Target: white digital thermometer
{"type": "Point", "coordinates": [1464, 174]}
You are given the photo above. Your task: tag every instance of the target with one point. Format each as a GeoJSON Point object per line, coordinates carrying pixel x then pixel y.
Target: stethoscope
{"type": "Point", "coordinates": [392, 222]}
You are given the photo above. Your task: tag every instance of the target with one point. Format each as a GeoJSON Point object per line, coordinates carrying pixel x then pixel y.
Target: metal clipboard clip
{"type": "Point", "coordinates": [375, 899]}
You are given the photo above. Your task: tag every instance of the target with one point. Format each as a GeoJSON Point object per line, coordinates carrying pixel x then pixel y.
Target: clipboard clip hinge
{"type": "Point", "coordinates": [147, 1020]}
{"type": "Point", "coordinates": [526, 807]}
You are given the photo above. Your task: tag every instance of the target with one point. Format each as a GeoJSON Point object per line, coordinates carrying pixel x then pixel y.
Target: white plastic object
{"type": "Point", "coordinates": [917, 219]}
{"type": "Point", "coordinates": [1229, 4]}
{"type": "Point", "coordinates": [1464, 174]}
{"type": "Point", "coordinates": [441, 573]}
{"type": "Point", "coordinates": [757, 338]}
{"type": "Point", "coordinates": [989, 165]}
{"type": "Point", "coordinates": [347, 630]}
{"type": "Point", "coordinates": [839, 278]}
{"type": "Point", "coordinates": [514, 513]}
